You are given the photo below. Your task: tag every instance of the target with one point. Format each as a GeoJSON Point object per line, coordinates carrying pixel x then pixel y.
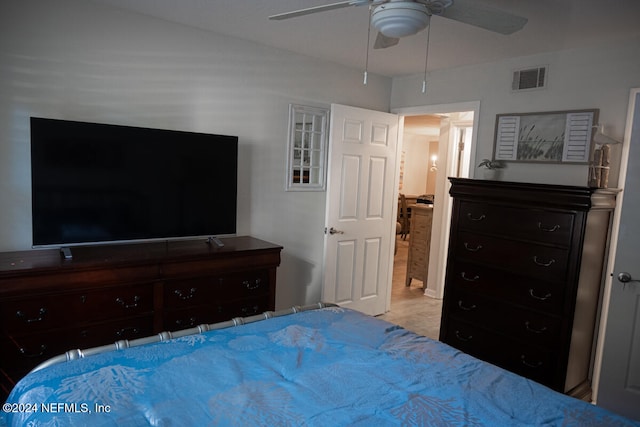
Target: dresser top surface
{"type": "Point", "coordinates": [541, 195]}
{"type": "Point", "coordinates": [421, 207]}
{"type": "Point", "coordinates": [89, 256]}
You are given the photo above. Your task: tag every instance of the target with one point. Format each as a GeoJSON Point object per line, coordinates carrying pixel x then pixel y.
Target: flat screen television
{"type": "Point", "coordinates": [97, 183]}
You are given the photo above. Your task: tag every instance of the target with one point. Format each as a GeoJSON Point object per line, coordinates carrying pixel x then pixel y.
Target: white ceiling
{"type": "Point", "coordinates": [341, 35]}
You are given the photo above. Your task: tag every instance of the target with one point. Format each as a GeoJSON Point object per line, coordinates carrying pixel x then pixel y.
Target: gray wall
{"type": "Point", "coordinates": [599, 77]}
{"type": "Point", "coordinates": [80, 61]}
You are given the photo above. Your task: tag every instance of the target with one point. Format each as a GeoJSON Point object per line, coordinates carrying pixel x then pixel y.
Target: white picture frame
{"type": "Point", "coordinates": [545, 137]}
{"type": "Point", "coordinates": [307, 148]}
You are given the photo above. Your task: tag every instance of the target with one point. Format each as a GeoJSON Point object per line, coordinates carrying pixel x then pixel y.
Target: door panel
{"type": "Point", "coordinates": [346, 258]}
{"type": "Point", "coordinates": [360, 230]}
{"type": "Point", "coordinates": [375, 193]}
{"type": "Point", "coordinates": [372, 252]}
{"type": "Point", "coordinates": [349, 190]}
{"type": "Point", "coordinates": [619, 386]}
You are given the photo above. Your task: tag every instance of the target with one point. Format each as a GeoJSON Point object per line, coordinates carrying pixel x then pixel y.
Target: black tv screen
{"type": "Point", "coordinates": [95, 183]}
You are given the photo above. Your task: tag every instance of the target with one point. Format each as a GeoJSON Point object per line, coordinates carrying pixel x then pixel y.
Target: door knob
{"type": "Point", "coordinates": [334, 231]}
{"type": "Point", "coordinates": [625, 277]}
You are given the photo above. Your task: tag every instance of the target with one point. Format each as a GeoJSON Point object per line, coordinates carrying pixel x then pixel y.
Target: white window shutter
{"type": "Point", "coordinates": [577, 137]}
{"type": "Point", "coordinates": [507, 138]}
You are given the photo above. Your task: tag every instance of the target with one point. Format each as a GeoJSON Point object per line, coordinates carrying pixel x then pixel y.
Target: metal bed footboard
{"type": "Point", "coordinates": [167, 335]}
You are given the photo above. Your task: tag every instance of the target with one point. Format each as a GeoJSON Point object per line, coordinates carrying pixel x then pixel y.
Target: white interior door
{"type": "Point", "coordinates": [619, 385]}
{"type": "Point", "coordinates": [360, 229]}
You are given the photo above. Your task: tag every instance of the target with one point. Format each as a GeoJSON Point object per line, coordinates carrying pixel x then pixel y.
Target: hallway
{"type": "Point", "coordinates": [410, 308]}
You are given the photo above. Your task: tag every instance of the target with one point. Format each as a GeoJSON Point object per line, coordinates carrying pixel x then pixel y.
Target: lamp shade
{"type": "Point", "coordinates": [400, 19]}
{"type": "Point", "coordinates": [599, 137]}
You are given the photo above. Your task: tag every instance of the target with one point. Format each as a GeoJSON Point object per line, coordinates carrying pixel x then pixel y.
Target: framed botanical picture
{"type": "Point", "coordinates": [545, 137]}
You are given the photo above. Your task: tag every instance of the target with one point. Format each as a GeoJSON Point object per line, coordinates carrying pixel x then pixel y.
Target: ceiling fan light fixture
{"type": "Point", "coordinates": [400, 19]}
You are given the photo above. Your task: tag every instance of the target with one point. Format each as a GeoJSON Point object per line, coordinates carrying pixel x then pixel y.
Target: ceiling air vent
{"type": "Point", "coordinates": [531, 78]}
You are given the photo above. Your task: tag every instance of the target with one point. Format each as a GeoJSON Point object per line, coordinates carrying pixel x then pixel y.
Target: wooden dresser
{"type": "Point", "coordinates": [419, 243]}
{"type": "Point", "coordinates": [524, 275]}
{"type": "Point", "coordinates": [49, 305]}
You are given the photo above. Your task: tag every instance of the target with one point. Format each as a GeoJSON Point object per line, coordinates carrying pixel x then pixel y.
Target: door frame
{"type": "Point", "coordinates": [442, 208]}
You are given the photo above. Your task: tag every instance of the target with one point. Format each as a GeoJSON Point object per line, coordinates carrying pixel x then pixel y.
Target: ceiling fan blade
{"type": "Point", "coordinates": [314, 9]}
{"type": "Point", "coordinates": [383, 41]}
{"type": "Point", "coordinates": [472, 13]}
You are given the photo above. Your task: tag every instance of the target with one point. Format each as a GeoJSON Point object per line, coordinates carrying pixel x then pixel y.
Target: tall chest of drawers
{"type": "Point", "coordinates": [115, 292]}
{"type": "Point", "coordinates": [524, 274]}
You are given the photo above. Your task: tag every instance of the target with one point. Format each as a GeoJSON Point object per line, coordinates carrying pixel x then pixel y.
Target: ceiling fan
{"type": "Point", "coordinates": [395, 19]}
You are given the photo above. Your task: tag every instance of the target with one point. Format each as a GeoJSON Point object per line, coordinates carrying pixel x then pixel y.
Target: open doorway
{"type": "Point", "coordinates": [437, 142]}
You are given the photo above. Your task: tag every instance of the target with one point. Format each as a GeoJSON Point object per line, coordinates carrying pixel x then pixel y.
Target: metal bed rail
{"type": "Point", "coordinates": [167, 335]}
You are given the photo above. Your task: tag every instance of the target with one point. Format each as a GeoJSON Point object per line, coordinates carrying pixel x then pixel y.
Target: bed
{"type": "Point", "coordinates": [309, 366]}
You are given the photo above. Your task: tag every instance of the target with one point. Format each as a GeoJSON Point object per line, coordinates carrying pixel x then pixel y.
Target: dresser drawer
{"type": "Point", "coordinates": [552, 227]}
{"type": "Point", "coordinates": [110, 332]}
{"type": "Point", "coordinates": [522, 290]}
{"type": "Point", "coordinates": [419, 260]}
{"type": "Point", "coordinates": [505, 319]}
{"type": "Point", "coordinates": [421, 227]}
{"type": "Point", "coordinates": [529, 361]}
{"type": "Point", "coordinates": [190, 292]}
{"type": "Point", "coordinates": [245, 307]}
{"type": "Point", "coordinates": [174, 320]}
{"type": "Point", "coordinates": [249, 284]}
{"type": "Point", "coordinates": [205, 290]}
{"type": "Point", "coordinates": [215, 311]}
{"type": "Point", "coordinates": [543, 262]}
{"type": "Point", "coordinates": [418, 244]}
{"type": "Point", "coordinates": [44, 312]}
{"type": "Point", "coordinates": [25, 352]}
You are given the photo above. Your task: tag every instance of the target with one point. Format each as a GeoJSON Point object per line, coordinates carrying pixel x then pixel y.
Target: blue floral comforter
{"type": "Point", "coordinates": [328, 367]}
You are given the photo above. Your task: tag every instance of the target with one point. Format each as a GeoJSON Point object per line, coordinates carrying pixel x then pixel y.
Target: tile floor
{"type": "Point", "coordinates": [410, 308]}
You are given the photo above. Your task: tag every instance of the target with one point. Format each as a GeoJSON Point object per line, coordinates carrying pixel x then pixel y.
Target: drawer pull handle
{"type": "Point", "coordinates": [475, 218]}
{"type": "Point", "coordinates": [525, 362]}
{"type": "Point", "coordinates": [465, 338]}
{"type": "Point", "coordinates": [251, 286]}
{"type": "Point", "coordinates": [136, 300]}
{"type": "Point", "coordinates": [43, 350]}
{"type": "Point", "coordinates": [469, 279]}
{"type": "Point", "coordinates": [131, 329]}
{"type": "Point", "coordinates": [542, 263]}
{"type": "Point", "coordinates": [186, 322]}
{"type": "Point", "coordinates": [470, 249]}
{"type": "Point", "coordinates": [250, 311]}
{"type": "Point", "coordinates": [466, 307]}
{"type": "Point", "coordinates": [548, 229]}
{"type": "Point", "coordinates": [527, 325]}
{"type": "Point", "coordinates": [532, 293]}
{"type": "Point", "coordinates": [191, 294]}
{"type": "Point", "coordinates": [41, 313]}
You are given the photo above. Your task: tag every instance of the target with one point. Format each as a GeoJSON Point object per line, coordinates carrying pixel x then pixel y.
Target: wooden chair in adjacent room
{"type": "Point", "coordinates": [403, 217]}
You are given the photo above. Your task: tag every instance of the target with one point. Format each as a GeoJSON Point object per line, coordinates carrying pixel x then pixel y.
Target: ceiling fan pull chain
{"type": "Point", "coordinates": [366, 61]}
{"type": "Point", "coordinates": [426, 59]}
